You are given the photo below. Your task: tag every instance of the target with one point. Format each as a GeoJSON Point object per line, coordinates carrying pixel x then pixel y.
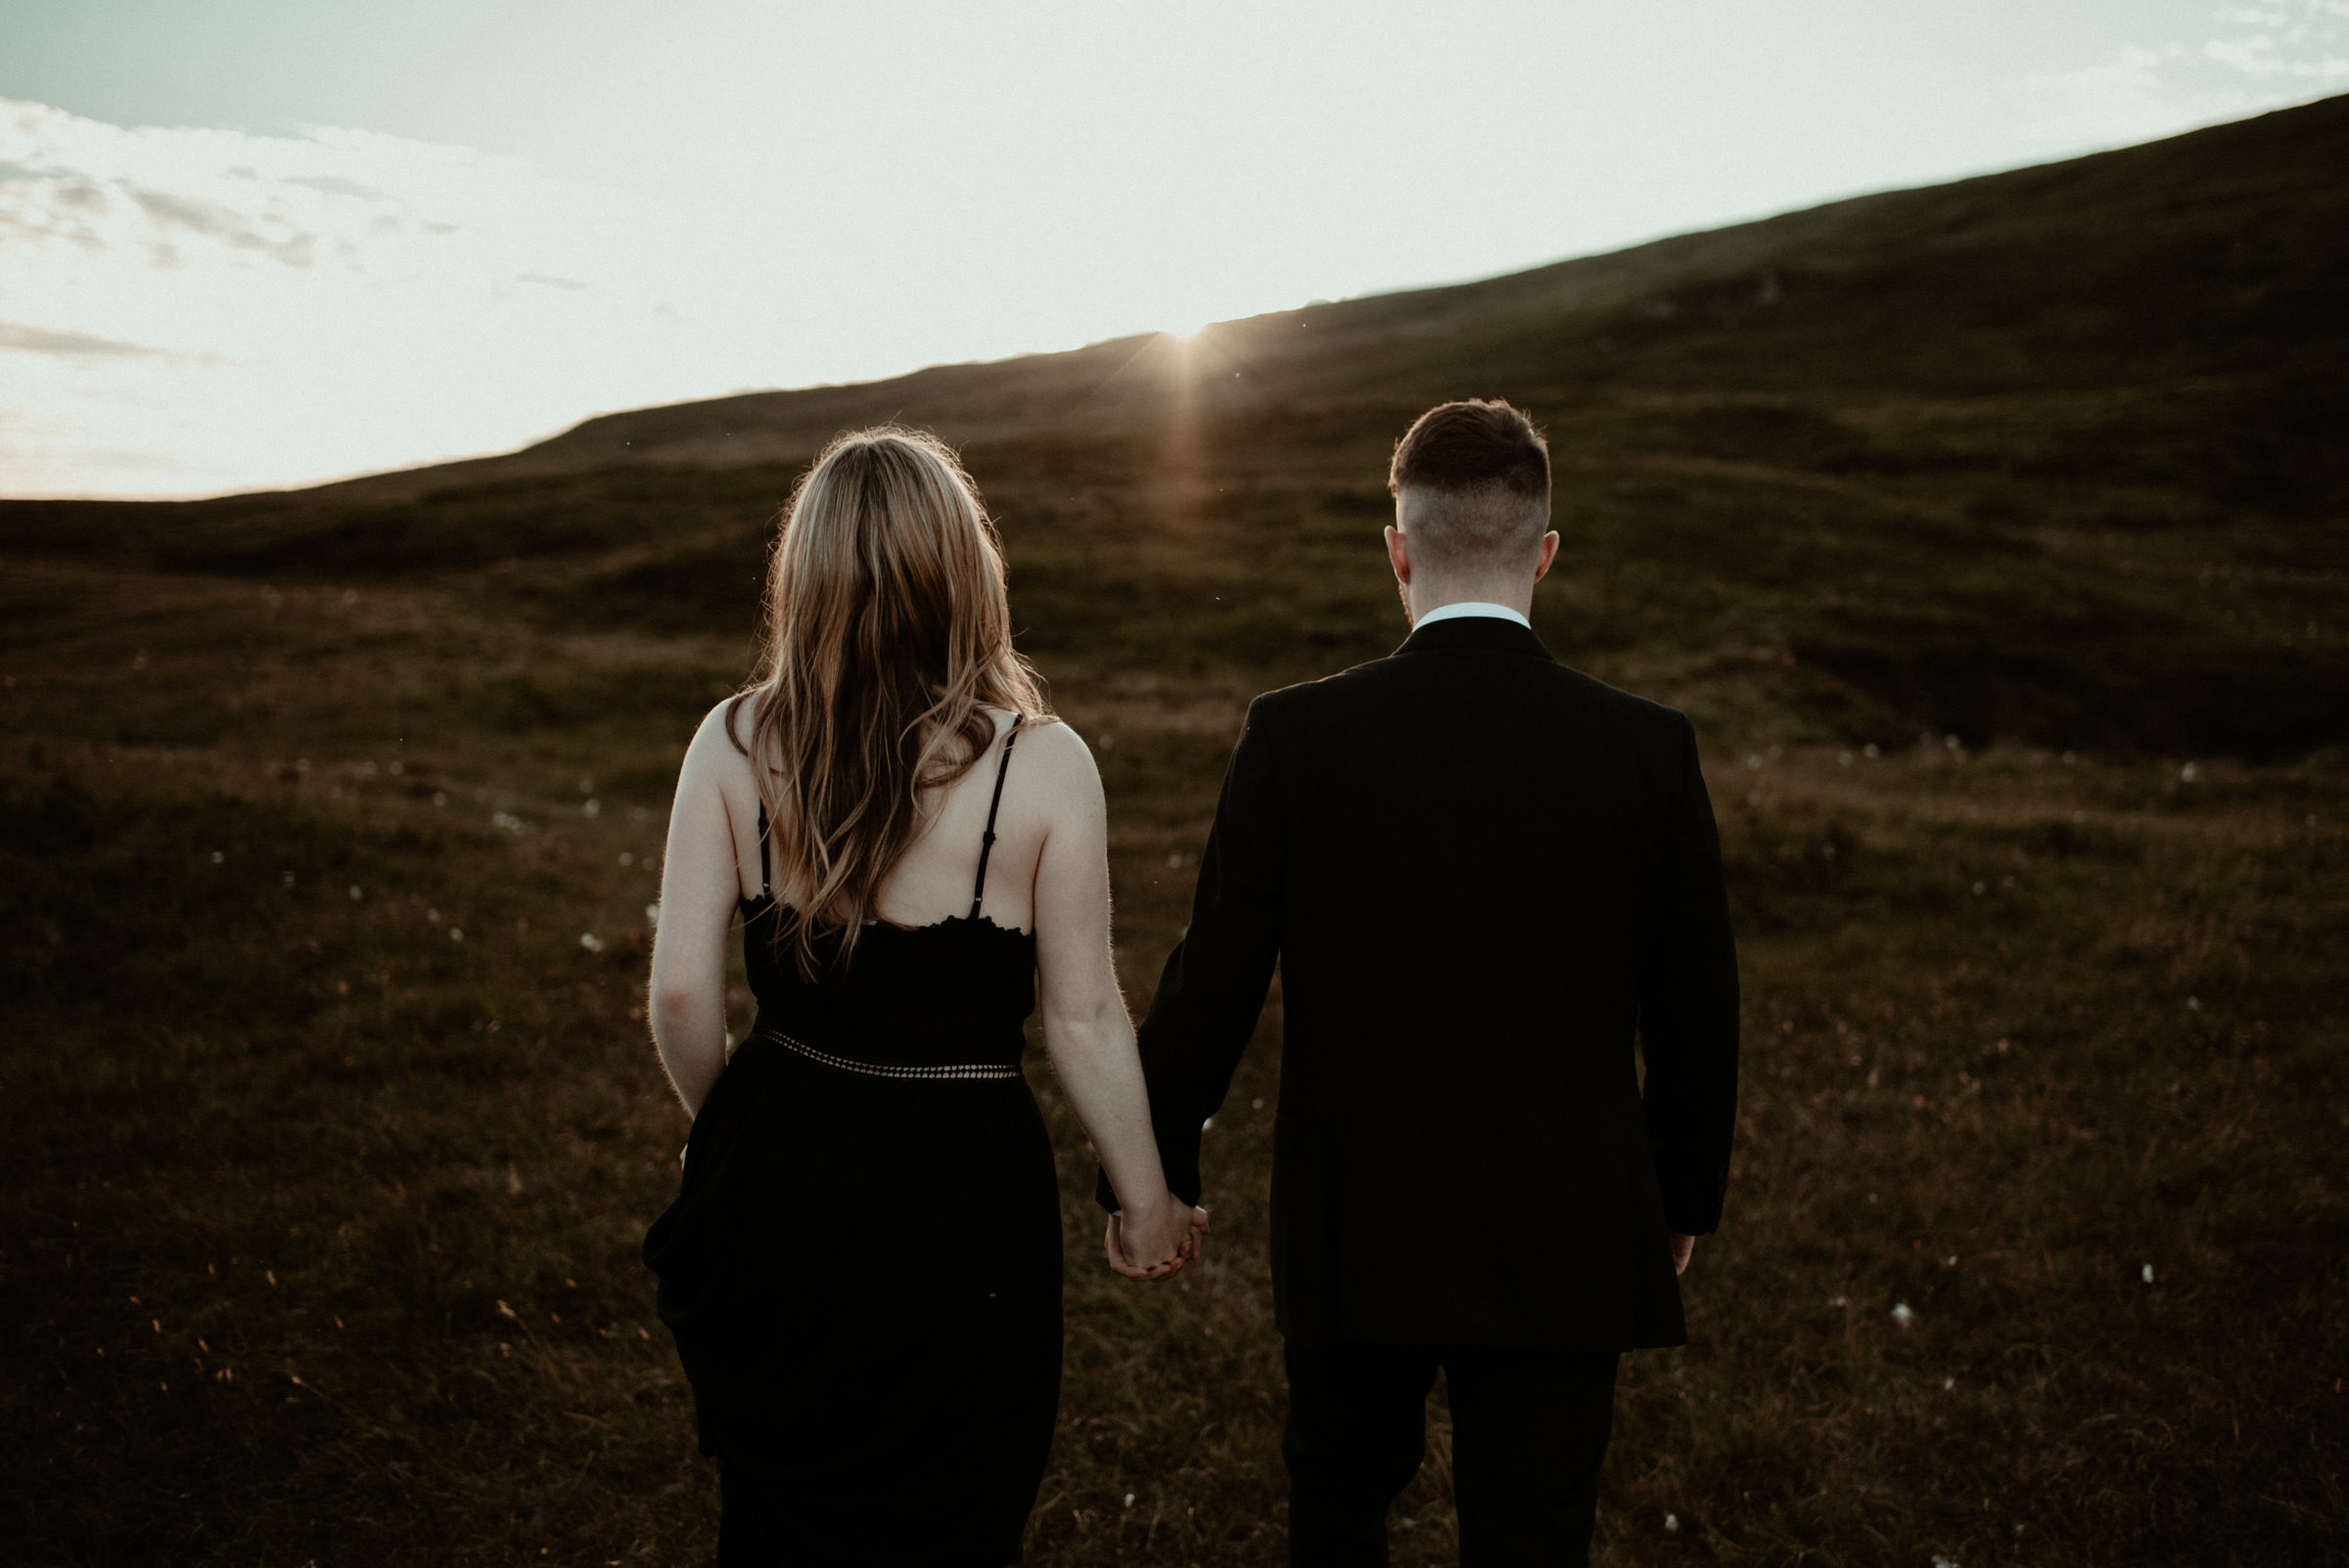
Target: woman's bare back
{"type": "Point", "coordinates": [932, 881]}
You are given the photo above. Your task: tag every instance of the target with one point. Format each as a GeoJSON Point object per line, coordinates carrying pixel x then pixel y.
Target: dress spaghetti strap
{"type": "Point", "coordinates": [766, 884]}
{"type": "Point", "coordinates": [987, 844]}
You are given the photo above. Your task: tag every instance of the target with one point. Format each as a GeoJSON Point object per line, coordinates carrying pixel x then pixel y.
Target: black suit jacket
{"type": "Point", "coordinates": [1483, 875]}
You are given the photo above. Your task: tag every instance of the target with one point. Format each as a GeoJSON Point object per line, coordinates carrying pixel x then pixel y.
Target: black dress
{"type": "Point", "coordinates": [862, 1270]}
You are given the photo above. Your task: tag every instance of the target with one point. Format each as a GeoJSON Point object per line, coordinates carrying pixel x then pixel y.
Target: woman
{"type": "Point", "coordinates": [863, 1270]}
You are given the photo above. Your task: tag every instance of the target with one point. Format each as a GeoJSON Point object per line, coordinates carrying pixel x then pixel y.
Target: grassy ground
{"type": "Point", "coordinates": [1995, 536]}
{"type": "Point", "coordinates": [324, 1221]}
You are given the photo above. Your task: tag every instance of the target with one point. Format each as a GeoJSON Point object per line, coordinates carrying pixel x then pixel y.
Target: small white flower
{"type": "Point", "coordinates": [1672, 1521]}
{"type": "Point", "coordinates": [432, 917]}
{"type": "Point", "coordinates": [355, 893]}
{"type": "Point", "coordinates": [1948, 1383]}
{"type": "Point", "coordinates": [218, 858]}
{"type": "Point", "coordinates": [1869, 750]}
{"type": "Point", "coordinates": [1129, 1499]}
{"type": "Point", "coordinates": [1175, 862]}
{"type": "Point", "coordinates": [1901, 1316]}
{"type": "Point", "coordinates": [652, 915]}
{"type": "Point", "coordinates": [2148, 1273]}
{"type": "Point", "coordinates": [2193, 1004]}
{"type": "Point", "coordinates": [592, 807]}
{"type": "Point", "coordinates": [591, 942]}
{"type": "Point", "coordinates": [2185, 775]}
{"type": "Point", "coordinates": [627, 858]}
{"type": "Point", "coordinates": [456, 933]}
{"type": "Point", "coordinates": [1838, 1300]}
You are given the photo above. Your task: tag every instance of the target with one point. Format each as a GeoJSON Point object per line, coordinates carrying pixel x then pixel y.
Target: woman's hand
{"type": "Point", "coordinates": [1155, 1244]}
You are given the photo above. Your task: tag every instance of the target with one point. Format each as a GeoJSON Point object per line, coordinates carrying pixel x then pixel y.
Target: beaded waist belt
{"type": "Point", "coordinates": [848, 1064]}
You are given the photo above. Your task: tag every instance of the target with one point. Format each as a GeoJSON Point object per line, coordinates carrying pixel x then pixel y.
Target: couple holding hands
{"type": "Point", "coordinates": [1491, 886]}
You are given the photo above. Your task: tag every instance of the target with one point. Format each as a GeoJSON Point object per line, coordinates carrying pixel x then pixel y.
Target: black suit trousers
{"type": "Point", "coordinates": [1529, 1429]}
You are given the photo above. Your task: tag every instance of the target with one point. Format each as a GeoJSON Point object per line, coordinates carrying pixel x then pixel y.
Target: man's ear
{"type": "Point", "coordinates": [1549, 553]}
{"type": "Point", "coordinates": [1399, 554]}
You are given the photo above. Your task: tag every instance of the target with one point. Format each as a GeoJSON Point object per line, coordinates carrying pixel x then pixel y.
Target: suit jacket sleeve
{"type": "Point", "coordinates": [1688, 1011]}
{"type": "Point", "coordinates": [1213, 985]}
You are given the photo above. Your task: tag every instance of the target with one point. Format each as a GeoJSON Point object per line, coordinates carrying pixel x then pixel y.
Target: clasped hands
{"type": "Point", "coordinates": [1157, 1243]}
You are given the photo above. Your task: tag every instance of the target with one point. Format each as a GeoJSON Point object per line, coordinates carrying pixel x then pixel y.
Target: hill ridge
{"type": "Point", "coordinates": [1366, 345]}
{"type": "Point", "coordinates": [2049, 455]}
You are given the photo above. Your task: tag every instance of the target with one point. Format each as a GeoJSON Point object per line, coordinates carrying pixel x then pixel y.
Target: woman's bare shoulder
{"type": "Point", "coordinates": [1059, 764]}
{"type": "Point", "coordinates": [1055, 740]}
{"type": "Point", "coordinates": [722, 741]}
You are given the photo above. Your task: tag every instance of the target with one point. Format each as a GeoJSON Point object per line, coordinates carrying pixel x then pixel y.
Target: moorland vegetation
{"type": "Point", "coordinates": [1995, 534]}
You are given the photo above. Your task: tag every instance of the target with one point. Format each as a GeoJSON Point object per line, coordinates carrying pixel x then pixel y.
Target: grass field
{"type": "Point", "coordinates": [330, 1125]}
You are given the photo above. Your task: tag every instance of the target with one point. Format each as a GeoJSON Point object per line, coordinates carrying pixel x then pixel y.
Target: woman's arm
{"type": "Point", "coordinates": [1088, 1032]}
{"type": "Point", "coordinates": [699, 887]}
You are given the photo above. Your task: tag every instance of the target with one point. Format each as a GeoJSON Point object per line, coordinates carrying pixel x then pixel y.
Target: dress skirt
{"type": "Point", "coordinates": [863, 1276]}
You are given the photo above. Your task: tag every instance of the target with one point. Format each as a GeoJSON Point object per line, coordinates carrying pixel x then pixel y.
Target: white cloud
{"type": "Point", "coordinates": [69, 344]}
{"type": "Point", "coordinates": [197, 309]}
{"type": "Point", "coordinates": [2263, 55]}
{"type": "Point", "coordinates": [2268, 57]}
{"type": "Point", "coordinates": [816, 194]}
{"type": "Point", "coordinates": [187, 312]}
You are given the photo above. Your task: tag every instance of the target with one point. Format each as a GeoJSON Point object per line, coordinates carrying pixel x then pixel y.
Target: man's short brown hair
{"type": "Point", "coordinates": [1480, 476]}
{"type": "Point", "coordinates": [1467, 446]}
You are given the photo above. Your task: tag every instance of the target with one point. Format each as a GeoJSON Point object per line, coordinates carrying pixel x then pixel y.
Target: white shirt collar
{"type": "Point", "coordinates": [1470, 607]}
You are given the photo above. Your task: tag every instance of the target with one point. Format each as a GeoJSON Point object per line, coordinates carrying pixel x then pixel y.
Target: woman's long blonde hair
{"type": "Point", "coordinates": [887, 631]}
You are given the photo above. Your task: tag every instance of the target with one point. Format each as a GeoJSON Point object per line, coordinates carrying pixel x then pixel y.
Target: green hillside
{"type": "Point", "coordinates": [2049, 456]}
{"type": "Point", "coordinates": [1995, 536]}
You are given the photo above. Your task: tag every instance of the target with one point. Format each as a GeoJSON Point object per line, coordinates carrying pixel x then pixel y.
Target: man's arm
{"type": "Point", "coordinates": [1688, 1013]}
{"type": "Point", "coordinates": [1215, 981]}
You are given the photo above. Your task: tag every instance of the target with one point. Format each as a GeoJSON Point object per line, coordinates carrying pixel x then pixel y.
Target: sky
{"type": "Point", "coordinates": [259, 242]}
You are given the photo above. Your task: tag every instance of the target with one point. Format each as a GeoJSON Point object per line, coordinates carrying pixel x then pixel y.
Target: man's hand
{"type": "Point", "coordinates": [1682, 1247]}
{"type": "Point", "coordinates": [1156, 1245]}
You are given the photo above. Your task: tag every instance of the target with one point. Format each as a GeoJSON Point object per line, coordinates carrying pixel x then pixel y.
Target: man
{"type": "Point", "coordinates": [1483, 875]}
